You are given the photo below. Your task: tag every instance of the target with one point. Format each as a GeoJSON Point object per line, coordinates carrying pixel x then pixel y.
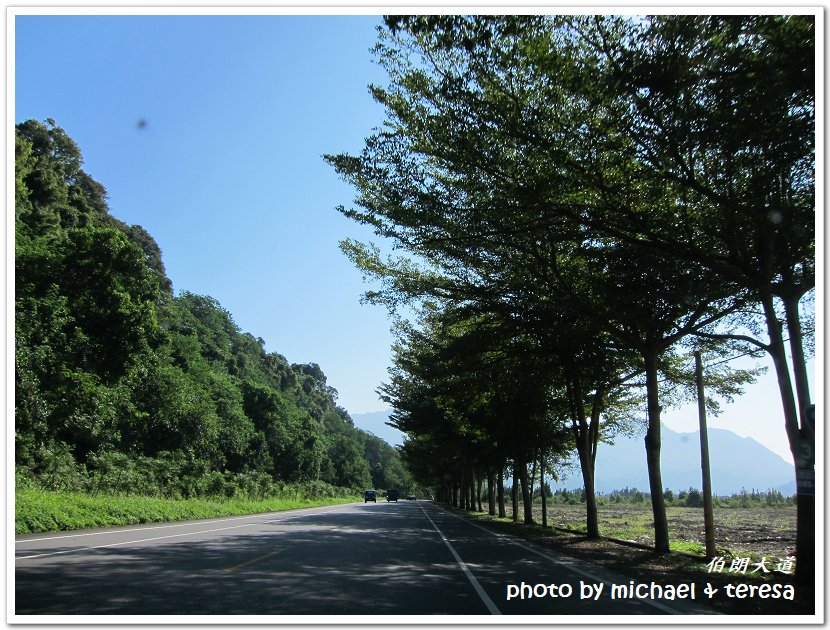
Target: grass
{"type": "Point", "coordinates": [688, 547]}
{"type": "Point", "coordinates": [43, 511]}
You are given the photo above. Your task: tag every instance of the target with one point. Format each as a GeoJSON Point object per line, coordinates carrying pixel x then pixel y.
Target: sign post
{"type": "Point", "coordinates": [708, 511]}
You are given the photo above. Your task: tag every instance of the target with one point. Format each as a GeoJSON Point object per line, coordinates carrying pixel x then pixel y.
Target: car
{"type": "Point", "coordinates": [410, 497]}
{"type": "Point", "coordinates": [370, 495]}
{"type": "Point", "coordinates": [392, 495]}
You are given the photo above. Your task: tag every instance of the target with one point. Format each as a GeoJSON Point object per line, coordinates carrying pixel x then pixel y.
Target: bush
{"type": "Point", "coordinates": [694, 498]}
{"type": "Point", "coordinates": [58, 469]}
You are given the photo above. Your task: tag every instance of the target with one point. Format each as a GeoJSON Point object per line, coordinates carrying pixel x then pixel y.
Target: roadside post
{"type": "Point", "coordinates": [708, 510]}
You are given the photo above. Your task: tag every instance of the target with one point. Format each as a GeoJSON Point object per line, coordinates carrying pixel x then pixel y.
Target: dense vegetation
{"type": "Point", "coordinates": [691, 497]}
{"type": "Point", "coordinates": [123, 387]}
{"type": "Point", "coordinates": [48, 511]}
{"type": "Point", "coordinates": [582, 203]}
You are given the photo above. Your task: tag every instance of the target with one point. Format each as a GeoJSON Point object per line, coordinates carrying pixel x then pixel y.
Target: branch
{"type": "Point", "coordinates": [749, 340]}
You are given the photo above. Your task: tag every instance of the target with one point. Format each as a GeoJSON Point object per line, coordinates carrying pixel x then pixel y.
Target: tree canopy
{"type": "Point", "coordinates": [617, 191]}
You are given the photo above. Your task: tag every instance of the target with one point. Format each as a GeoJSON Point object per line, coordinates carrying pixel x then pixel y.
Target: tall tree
{"type": "Point", "coordinates": [502, 149]}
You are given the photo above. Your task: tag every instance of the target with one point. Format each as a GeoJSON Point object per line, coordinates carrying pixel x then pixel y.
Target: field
{"type": "Point", "coordinates": [739, 532]}
{"type": "Point", "coordinates": [766, 535]}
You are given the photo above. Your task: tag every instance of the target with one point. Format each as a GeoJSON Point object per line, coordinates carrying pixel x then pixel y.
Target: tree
{"type": "Point", "coordinates": [501, 151]}
{"type": "Point", "coordinates": [722, 109]}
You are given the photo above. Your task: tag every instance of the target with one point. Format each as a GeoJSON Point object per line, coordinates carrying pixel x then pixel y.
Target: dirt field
{"type": "Point", "coordinates": [754, 532]}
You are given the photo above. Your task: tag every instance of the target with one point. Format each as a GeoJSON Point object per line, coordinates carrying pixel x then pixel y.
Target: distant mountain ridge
{"type": "Point", "coordinates": [375, 422]}
{"type": "Point", "coordinates": [736, 463]}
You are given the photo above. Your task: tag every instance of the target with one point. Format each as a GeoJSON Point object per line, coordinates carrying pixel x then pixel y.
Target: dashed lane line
{"type": "Point", "coordinates": [252, 561]}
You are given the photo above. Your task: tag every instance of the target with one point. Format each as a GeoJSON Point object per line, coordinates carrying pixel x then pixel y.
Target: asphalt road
{"type": "Point", "coordinates": [405, 558]}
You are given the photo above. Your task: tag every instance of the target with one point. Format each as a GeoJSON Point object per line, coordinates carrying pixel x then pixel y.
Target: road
{"type": "Point", "coordinates": [406, 558]}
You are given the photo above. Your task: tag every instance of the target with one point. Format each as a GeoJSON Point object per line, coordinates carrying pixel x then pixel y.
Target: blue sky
{"type": "Point", "coordinates": [227, 174]}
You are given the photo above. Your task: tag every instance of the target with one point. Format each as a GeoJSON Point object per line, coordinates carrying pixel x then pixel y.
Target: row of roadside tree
{"type": "Point", "coordinates": [578, 203]}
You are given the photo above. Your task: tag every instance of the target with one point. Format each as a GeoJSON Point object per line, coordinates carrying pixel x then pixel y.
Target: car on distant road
{"type": "Point", "coordinates": [392, 495]}
{"type": "Point", "coordinates": [410, 497]}
{"type": "Point", "coordinates": [370, 495]}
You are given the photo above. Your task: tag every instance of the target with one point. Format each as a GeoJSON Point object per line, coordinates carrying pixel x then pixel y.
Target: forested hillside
{"type": "Point", "coordinates": [122, 386]}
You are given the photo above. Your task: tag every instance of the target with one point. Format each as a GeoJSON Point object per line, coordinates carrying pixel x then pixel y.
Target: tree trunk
{"type": "Point", "coordinates": [491, 492]}
{"type": "Point", "coordinates": [805, 543]}
{"type": "Point", "coordinates": [514, 491]}
{"type": "Point", "coordinates": [527, 496]}
{"type": "Point", "coordinates": [802, 384]}
{"type": "Point", "coordinates": [533, 473]}
{"type": "Point", "coordinates": [782, 372]}
{"type": "Point", "coordinates": [479, 482]}
{"type": "Point", "coordinates": [542, 487]}
{"type": "Point", "coordinates": [805, 537]}
{"type": "Point", "coordinates": [591, 513]}
{"type": "Point", "coordinates": [652, 440]}
{"type": "Point", "coordinates": [805, 546]}
{"type": "Point", "coordinates": [500, 491]}
{"type": "Point", "coordinates": [586, 437]}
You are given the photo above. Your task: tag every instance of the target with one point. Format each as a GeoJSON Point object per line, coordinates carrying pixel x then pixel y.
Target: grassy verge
{"type": "Point", "coordinates": [42, 511]}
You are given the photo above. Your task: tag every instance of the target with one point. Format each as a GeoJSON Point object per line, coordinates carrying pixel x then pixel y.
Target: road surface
{"type": "Point", "coordinates": [405, 558]}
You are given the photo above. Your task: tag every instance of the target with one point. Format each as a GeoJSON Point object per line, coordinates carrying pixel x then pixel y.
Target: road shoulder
{"type": "Point", "coordinates": [606, 558]}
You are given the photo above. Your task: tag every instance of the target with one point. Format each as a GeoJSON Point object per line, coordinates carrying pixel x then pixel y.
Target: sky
{"type": "Point", "coordinates": [209, 132]}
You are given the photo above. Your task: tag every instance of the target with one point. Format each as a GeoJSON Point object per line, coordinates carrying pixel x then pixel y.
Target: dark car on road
{"type": "Point", "coordinates": [392, 495]}
{"type": "Point", "coordinates": [410, 497]}
{"type": "Point", "coordinates": [370, 495]}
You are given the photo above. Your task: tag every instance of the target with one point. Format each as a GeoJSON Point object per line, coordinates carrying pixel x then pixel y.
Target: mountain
{"type": "Point", "coordinates": [736, 463]}
{"type": "Point", "coordinates": [375, 422]}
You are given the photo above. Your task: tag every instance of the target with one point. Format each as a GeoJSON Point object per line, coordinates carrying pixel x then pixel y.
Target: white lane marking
{"type": "Point", "coordinates": [140, 540]}
{"type": "Point", "coordinates": [135, 529]}
{"type": "Point", "coordinates": [151, 527]}
{"type": "Point", "coordinates": [567, 562]}
{"type": "Point", "coordinates": [252, 561]}
{"type": "Point", "coordinates": [481, 593]}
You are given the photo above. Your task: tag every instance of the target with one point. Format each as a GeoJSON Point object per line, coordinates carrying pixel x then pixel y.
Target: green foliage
{"type": "Point", "coordinates": [690, 497]}
{"type": "Point", "coordinates": [755, 499]}
{"type": "Point", "coordinates": [123, 388]}
{"type": "Point", "coordinates": [386, 468]}
{"type": "Point", "coordinates": [43, 511]}
{"type": "Point", "coordinates": [607, 188]}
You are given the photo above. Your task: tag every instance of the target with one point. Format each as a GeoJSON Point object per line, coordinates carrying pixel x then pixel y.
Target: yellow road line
{"type": "Point", "coordinates": [251, 561]}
